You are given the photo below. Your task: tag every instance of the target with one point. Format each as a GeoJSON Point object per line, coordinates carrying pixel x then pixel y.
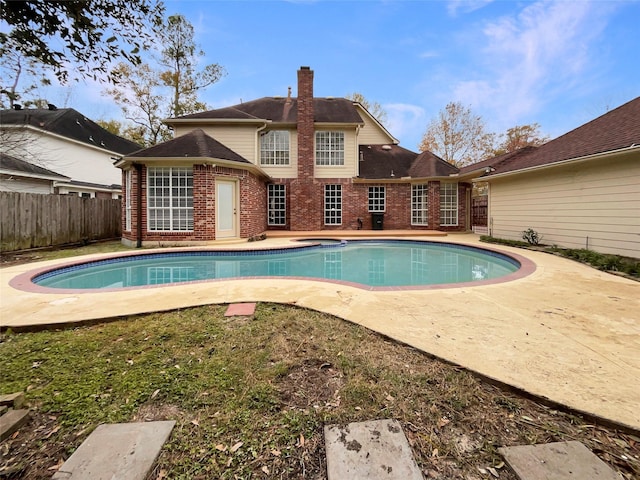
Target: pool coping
{"type": "Point", "coordinates": [25, 282]}
{"type": "Point", "coordinates": [566, 333]}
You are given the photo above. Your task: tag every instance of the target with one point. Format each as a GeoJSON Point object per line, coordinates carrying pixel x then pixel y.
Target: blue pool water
{"type": "Point", "coordinates": [372, 263]}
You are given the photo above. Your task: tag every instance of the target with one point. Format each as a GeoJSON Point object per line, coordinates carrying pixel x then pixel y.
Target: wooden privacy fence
{"type": "Point", "coordinates": [30, 220]}
{"type": "Point", "coordinates": [479, 210]}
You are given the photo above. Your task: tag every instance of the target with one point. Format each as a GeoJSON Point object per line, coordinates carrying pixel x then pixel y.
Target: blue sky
{"type": "Point", "coordinates": [557, 63]}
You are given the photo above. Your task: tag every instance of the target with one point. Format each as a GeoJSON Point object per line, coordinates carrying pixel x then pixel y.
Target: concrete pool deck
{"type": "Point", "coordinates": [566, 332]}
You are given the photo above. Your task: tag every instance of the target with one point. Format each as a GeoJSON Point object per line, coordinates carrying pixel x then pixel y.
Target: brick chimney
{"type": "Point", "coordinates": [306, 195]}
{"type": "Point", "coordinates": [306, 132]}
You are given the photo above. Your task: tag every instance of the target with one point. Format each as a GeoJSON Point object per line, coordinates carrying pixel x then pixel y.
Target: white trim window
{"type": "Point", "coordinates": [420, 204]}
{"type": "Point", "coordinates": [377, 199]}
{"type": "Point", "coordinates": [127, 201]}
{"type": "Point", "coordinates": [448, 204]}
{"type": "Point", "coordinates": [277, 204]}
{"type": "Point", "coordinates": [329, 148]}
{"type": "Point", "coordinates": [274, 148]}
{"type": "Point", "coordinates": [333, 204]}
{"type": "Point", "coordinates": [170, 199]}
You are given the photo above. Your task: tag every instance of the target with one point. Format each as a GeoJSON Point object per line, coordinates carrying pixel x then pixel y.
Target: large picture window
{"type": "Point", "coordinates": [329, 148]}
{"type": "Point", "coordinates": [170, 199]}
{"type": "Point", "coordinates": [376, 199]}
{"type": "Point", "coordinates": [448, 204]}
{"type": "Point", "coordinates": [277, 204]}
{"type": "Point", "coordinates": [419, 204]}
{"type": "Point", "coordinates": [333, 204]}
{"type": "Point", "coordinates": [127, 201]}
{"type": "Point", "coordinates": [274, 148]}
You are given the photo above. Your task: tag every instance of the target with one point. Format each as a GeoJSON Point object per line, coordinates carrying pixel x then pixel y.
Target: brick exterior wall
{"type": "Point", "coordinates": [252, 208]}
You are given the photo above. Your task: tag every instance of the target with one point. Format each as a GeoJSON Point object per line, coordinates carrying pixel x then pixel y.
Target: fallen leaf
{"type": "Point", "coordinates": [235, 448]}
{"type": "Point", "coordinates": [301, 440]}
{"type": "Point", "coordinates": [482, 471]}
{"type": "Point", "coordinates": [492, 471]}
{"type": "Point", "coordinates": [53, 431]}
{"type": "Point", "coordinates": [265, 469]}
{"type": "Point", "coordinates": [390, 398]}
{"type": "Point", "coordinates": [276, 453]}
{"type": "Point", "coordinates": [499, 466]}
{"type": "Point", "coordinates": [155, 394]}
{"type": "Point", "coordinates": [130, 362]}
{"type": "Point", "coordinates": [161, 474]}
{"type": "Point", "coordinates": [221, 448]}
{"type": "Point", "coordinates": [195, 422]}
{"type": "Point", "coordinates": [435, 452]}
{"type": "Point", "coordinates": [443, 421]}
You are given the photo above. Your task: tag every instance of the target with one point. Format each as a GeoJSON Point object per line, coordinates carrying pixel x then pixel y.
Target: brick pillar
{"type": "Point", "coordinates": [306, 195]}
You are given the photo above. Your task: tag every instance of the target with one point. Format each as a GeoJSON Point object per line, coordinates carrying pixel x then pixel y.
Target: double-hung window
{"type": "Point", "coordinates": [277, 204]}
{"type": "Point", "coordinates": [170, 199]}
{"type": "Point", "coordinates": [419, 204]}
{"type": "Point", "coordinates": [333, 204]}
{"type": "Point", "coordinates": [329, 148]}
{"type": "Point", "coordinates": [376, 199]}
{"type": "Point", "coordinates": [448, 204]}
{"type": "Point", "coordinates": [274, 148]}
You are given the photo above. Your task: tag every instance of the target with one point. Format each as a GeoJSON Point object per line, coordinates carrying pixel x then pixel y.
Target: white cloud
{"type": "Point", "coordinates": [406, 123]}
{"type": "Point", "coordinates": [465, 6]}
{"type": "Point", "coordinates": [532, 57]}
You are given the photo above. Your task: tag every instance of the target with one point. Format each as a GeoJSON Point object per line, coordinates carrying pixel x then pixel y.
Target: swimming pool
{"type": "Point", "coordinates": [363, 263]}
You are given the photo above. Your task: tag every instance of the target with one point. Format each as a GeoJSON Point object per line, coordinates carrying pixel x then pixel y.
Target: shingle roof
{"type": "Point", "coordinates": [195, 144]}
{"type": "Point", "coordinates": [617, 129]}
{"type": "Point", "coordinates": [282, 110]}
{"type": "Point", "coordinates": [69, 123]}
{"type": "Point", "coordinates": [381, 161]}
{"type": "Point", "coordinates": [8, 162]}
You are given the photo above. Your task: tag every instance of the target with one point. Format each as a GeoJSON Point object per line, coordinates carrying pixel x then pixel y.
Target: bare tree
{"type": "Point", "coordinates": [458, 136]}
{"type": "Point", "coordinates": [374, 108]}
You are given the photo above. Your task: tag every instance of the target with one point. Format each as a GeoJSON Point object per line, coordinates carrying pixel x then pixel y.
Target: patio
{"type": "Point", "coordinates": [567, 332]}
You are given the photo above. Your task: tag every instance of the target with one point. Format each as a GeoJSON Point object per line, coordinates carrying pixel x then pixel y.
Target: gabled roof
{"type": "Point", "coordinates": [195, 144]}
{"type": "Point", "coordinates": [281, 110]}
{"type": "Point", "coordinates": [490, 164]}
{"type": "Point", "coordinates": [396, 162]}
{"type": "Point", "coordinates": [615, 130]}
{"type": "Point", "coordinates": [20, 167]}
{"type": "Point", "coordinates": [69, 123]}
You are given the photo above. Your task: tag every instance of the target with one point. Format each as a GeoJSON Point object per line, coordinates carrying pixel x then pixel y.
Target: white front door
{"type": "Point", "coordinates": [226, 209]}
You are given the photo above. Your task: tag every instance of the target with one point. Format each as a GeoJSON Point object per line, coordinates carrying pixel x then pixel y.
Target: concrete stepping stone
{"type": "Point", "coordinates": [373, 450]}
{"type": "Point", "coordinates": [557, 461]}
{"type": "Point", "coordinates": [126, 451]}
{"type": "Point", "coordinates": [240, 310]}
{"type": "Point", "coordinates": [11, 421]}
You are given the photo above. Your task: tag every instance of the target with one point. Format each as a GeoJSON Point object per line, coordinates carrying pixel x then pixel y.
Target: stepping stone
{"type": "Point", "coordinates": [557, 461]}
{"type": "Point", "coordinates": [126, 451]}
{"type": "Point", "coordinates": [13, 400]}
{"type": "Point", "coordinates": [12, 421]}
{"type": "Point", "coordinates": [240, 310]}
{"type": "Point", "coordinates": [372, 450]}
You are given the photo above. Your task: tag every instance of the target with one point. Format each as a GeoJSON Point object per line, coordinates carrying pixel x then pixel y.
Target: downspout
{"type": "Point", "coordinates": [138, 167]}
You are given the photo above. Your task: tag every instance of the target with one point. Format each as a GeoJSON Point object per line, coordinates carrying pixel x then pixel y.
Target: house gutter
{"type": "Point", "coordinates": [585, 158]}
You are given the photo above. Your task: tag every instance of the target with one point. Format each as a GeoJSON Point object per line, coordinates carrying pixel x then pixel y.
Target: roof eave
{"type": "Point", "coordinates": [586, 158]}
{"type": "Point", "coordinates": [230, 121]}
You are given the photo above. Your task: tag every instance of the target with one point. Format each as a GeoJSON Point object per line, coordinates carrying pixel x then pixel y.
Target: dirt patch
{"type": "Point", "coordinates": [314, 383]}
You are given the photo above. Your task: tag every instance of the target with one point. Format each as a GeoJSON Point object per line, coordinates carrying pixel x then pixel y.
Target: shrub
{"type": "Point", "coordinates": [531, 236]}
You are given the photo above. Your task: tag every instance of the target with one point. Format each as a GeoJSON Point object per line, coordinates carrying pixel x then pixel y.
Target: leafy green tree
{"type": "Point", "coordinates": [180, 56]}
{"type": "Point", "coordinates": [149, 93]}
{"type": "Point", "coordinates": [519, 137]}
{"type": "Point", "coordinates": [458, 136]}
{"type": "Point", "coordinates": [374, 108]}
{"type": "Point", "coordinates": [88, 34]}
{"type": "Point", "coordinates": [142, 103]}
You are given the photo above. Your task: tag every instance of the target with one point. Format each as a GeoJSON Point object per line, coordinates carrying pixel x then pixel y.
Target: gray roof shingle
{"type": "Point", "coordinates": [282, 110]}
{"type": "Point", "coordinates": [8, 162]}
{"type": "Point", "coordinates": [69, 123]}
{"type": "Point", "coordinates": [380, 161]}
{"type": "Point", "coordinates": [195, 144]}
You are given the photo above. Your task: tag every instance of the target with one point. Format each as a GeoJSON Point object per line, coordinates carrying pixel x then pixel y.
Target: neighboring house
{"type": "Point", "coordinates": [19, 176]}
{"type": "Point", "coordinates": [284, 163]}
{"type": "Point", "coordinates": [580, 190]}
{"type": "Point", "coordinates": [66, 142]}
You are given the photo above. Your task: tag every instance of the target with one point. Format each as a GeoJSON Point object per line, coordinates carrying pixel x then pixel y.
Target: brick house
{"type": "Point", "coordinates": [285, 163]}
